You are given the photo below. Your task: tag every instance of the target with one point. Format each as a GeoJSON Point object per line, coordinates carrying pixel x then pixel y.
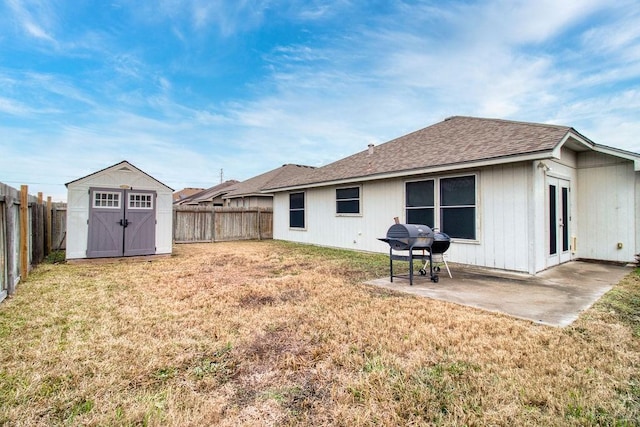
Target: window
{"type": "Point", "coordinates": [420, 202]}
{"type": "Point", "coordinates": [453, 211]}
{"type": "Point", "coordinates": [348, 200]}
{"type": "Point", "coordinates": [140, 201]}
{"type": "Point", "coordinates": [105, 199]}
{"type": "Point", "coordinates": [296, 210]}
{"type": "Point", "coordinates": [458, 206]}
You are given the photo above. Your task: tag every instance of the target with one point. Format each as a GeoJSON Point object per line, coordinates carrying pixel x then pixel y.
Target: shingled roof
{"type": "Point", "coordinates": [454, 142]}
{"type": "Point", "coordinates": [207, 195]}
{"type": "Point", "coordinates": [253, 186]}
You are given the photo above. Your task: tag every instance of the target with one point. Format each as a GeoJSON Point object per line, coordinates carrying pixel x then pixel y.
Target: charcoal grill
{"type": "Point", "coordinates": [441, 243]}
{"type": "Point", "coordinates": [414, 237]}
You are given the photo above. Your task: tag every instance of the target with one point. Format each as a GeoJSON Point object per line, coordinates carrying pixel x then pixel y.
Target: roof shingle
{"type": "Point", "coordinates": [254, 185]}
{"type": "Point", "coordinates": [455, 140]}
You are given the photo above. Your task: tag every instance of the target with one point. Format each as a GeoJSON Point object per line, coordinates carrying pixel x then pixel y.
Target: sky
{"type": "Point", "coordinates": [190, 91]}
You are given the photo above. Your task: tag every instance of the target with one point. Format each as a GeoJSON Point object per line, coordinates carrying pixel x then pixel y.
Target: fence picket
{"type": "Point", "coordinates": [219, 224]}
{"type": "Point", "coordinates": [31, 228]}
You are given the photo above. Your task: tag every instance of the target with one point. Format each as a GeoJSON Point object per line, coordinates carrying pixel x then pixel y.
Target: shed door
{"type": "Point", "coordinates": [121, 223]}
{"type": "Point", "coordinates": [106, 233]}
{"type": "Point", "coordinates": [140, 217]}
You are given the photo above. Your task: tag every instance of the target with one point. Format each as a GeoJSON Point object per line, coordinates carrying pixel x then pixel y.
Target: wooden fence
{"type": "Point", "coordinates": [31, 228]}
{"type": "Point", "coordinates": [26, 234]}
{"type": "Point", "coordinates": [217, 224]}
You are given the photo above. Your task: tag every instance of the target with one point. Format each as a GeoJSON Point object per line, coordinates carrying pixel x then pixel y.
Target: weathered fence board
{"type": "Point", "coordinates": [218, 224]}
{"type": "Point", "coordinates": [4, 284]}
{"type": "Point", "coordinates": [31, 228]}
{"type": "Point", "coordinates": [24, 233]}
{"type": "Point", "coordinates": [58, 226]}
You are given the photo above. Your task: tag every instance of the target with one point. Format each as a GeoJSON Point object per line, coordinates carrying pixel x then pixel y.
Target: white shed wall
{"type": "Point", "coordinates": [78, 207]}
{"type": "Point", "coordinates": [505, 195]}
{"type": "Point", "coordinates": [608, 208]}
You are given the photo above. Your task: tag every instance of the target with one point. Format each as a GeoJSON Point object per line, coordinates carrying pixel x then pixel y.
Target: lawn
{"type": "Point", "coordinates": [272, 333]}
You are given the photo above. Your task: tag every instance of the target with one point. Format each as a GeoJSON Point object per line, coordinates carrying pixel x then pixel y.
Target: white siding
{"type": "Point", "coordinates": [77, 217]}
{"type": "Point", "coordinates": [115, 177]}
{"type": "Point", "coordinates": [607, 208]}
{"type": "Point", "coordinates": [380, 203]}
{"type": "Point", "coordinates": [512, 213]}
{"type": "Point", "coordinates": [502, 206]}
{"type": "Point", "coordinates": [164, 224]}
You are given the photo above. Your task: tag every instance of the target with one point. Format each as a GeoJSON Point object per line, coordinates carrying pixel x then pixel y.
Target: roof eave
{"type": "Point", "coordinates": [253, 194]}
{"type": "Point", "coordinates": [541, 155]}
{"type": "Point", "coordinates": [590, 145]}
{"type": "Point", "coordinates": [113, 167]}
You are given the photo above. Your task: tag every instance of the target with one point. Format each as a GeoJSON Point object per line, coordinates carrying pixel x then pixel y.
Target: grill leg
{"type": "Point", "coordinates": [411, 266]}
{"type": "Point", "coordinates": [391, 265]}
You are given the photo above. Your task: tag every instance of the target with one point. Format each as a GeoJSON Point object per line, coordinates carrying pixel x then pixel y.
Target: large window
{"type": "Point", "coordinates": [453, 211]}
{"type": "Point", "coordinates": [296, 210]}
{"type": "Point", "coordinates": [420, 202]}
{"type": "Point", "coordinates": [458, 206]}
{"type": "Point", "coordinates": [348, 200]}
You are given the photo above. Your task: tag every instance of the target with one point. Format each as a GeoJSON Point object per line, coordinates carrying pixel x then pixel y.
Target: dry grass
{"type": "Point", "coordinates": [269, 333]}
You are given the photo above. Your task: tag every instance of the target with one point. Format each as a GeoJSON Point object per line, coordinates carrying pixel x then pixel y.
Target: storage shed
{"type": "Point", "coordinates": [118, 211]}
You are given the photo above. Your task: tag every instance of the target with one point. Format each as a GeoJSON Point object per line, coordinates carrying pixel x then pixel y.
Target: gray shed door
{"type": "Point", "coordinates": [122, 222]}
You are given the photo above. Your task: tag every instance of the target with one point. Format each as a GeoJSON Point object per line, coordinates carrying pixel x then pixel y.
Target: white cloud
{"type": "Point", "coordinates": [329, 96]}
{"type": "Point", "coordinates": [35, 17]}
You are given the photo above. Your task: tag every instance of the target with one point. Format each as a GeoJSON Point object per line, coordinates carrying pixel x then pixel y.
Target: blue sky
{"type": "Point", "coordinates": [185, 88]}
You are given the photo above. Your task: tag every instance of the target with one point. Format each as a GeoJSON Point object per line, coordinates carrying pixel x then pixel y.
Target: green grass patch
{"type": "Point", "coordinates": [624, 302]}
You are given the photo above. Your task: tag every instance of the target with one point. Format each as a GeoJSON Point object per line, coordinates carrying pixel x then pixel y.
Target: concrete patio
{"type": "Point", "coordinates": [555, 297]}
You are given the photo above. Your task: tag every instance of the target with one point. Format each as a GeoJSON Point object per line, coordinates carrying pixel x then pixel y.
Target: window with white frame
{"type": "Point", "coordinates": [348, 200]}
{"type": "Point", "coordinates": [458, 206]}
{"type": "Point", "coordinates": [140, 201]}
{"type": "Point", "coordinates": [296, 210]}
{"type": "Point", "coordinates": [420, 202]}
{"type": "Point", "coordinates": [106, 199]}
{"type": "Point", "coordinates": [448, 204]}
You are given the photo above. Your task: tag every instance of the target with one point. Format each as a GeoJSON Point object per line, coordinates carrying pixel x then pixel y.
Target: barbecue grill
{"type": "Point", "coordinates": [441, 243]}
{"type": "Point", "coordinates": [410, 237]}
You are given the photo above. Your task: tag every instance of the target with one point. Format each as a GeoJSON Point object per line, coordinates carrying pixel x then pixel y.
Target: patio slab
{"type": "Point", "coordinates": [554, 297]}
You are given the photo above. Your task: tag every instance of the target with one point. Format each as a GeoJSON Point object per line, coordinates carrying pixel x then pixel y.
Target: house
{"type": "Point", "coordinates": [210, 197]}
{"type": "Point", "coordinates": [248, 193]}
{"type": "Point", "coordinates": [511, 195]}
{"type": "Point", "coordinates": [185, 192]}
{"type": "Point", "coordinates": [118, 211]}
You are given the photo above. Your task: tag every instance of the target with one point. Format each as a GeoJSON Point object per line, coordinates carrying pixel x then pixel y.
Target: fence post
{"type": "Point", "coordinates": [213, 224]}
{"type": "Point", "coordinates": [48, 226]}
{"type": "Point", "coordinates": [12, 253]}
{"type": "Point", "coordinates": [259, 225]}
{"type": "Point", "coordinates": [24, 232]}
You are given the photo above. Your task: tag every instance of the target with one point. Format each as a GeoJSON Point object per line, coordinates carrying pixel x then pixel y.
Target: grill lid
{"type": "Point", "coordinates": [405, 231]}
{"type": "Point", "coordinates": [407, 236]}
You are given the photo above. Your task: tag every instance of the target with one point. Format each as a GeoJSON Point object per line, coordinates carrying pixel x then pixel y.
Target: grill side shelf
{"type": "Point", "coordinates": [421, 257]}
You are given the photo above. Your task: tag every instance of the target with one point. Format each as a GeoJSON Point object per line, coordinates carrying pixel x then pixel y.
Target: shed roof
{"type": "Point", "coordinates": [122, 165]}
{"type": "Point", "coordinates": [453, 143]}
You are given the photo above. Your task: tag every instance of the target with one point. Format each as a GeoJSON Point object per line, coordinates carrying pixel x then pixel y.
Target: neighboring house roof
{"type": "Point", "coordinates": [185, 192]}
{"type": "Point", "coordinates": [253, 186]}
{"type": "Point", "coordinates": [123, 165]}
{"type": "Point", "coordinates": [456, 142]}
{"type": "Point", "coordinates": [207, 195]}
